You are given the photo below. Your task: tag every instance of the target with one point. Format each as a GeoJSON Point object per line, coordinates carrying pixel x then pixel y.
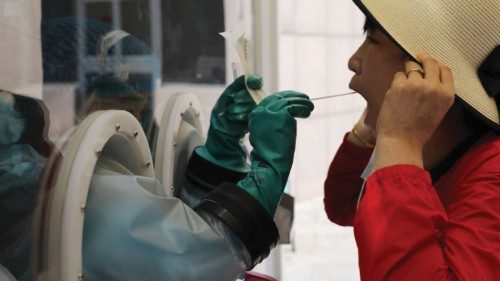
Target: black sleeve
{"type": "Point", "coordinates": [244, 215]}
{"type": "Point", "coordinates": [208, 175]}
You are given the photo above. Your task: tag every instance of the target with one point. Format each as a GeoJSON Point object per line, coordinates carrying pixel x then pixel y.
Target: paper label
{"type": "Point", "coordinates": [242, 46]}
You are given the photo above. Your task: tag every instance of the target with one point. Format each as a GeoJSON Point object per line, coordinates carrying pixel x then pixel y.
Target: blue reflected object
{"type": "Point", "coordinates": [12, 123]}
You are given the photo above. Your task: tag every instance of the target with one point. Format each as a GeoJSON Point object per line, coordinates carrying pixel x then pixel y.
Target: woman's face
{"type": "Point", "coordinates": [374, 65]}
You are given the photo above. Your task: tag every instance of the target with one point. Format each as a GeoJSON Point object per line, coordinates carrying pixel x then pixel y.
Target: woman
{"type": "Point", "coordinates": [430, 210]}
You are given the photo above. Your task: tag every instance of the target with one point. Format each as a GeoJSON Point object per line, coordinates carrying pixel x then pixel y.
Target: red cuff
{"type": "Point", "coordinates": [349, 158]}
{"type": "Point", "coordinates": [355, 150]}
{"type": "Point", "coordinates": [400, 171]}
{"type": "Point", "coordinates": [343, 183]}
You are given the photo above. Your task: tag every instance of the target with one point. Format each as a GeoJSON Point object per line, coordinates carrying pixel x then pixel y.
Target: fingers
{"type": "Point", "coordinates": [240, 112]}
{"type": "Point", "coordinates": [434, 72]}
{"type": "Point", "coordinates": [254, 82]}
{"type": "Point", "coordinates": [299, 106]}
{"type": "Point", "coordinates": [415, 104]}
{"type": "Point", "coordinates": [446, 77]}
{"type": "Point", "coordinates": [399, 79]}
{"type": "Point", "coordinates": [237, 85]}
{"type": "Point", "coordinates": [281, 95]}
{"type": "Point", "coordinates": [290, 94]}
{"type": "Point", "coordinates": [430, 66]}
{"type": "Point", "coordinates": [410, 70]}
{"type": "Point", "coordinates": [242, 97]}
{"type": "Point", "coordinates": [300, 111]}
{"type": "Point", "coordinates": [437, 73]}
{"type": "Point", "coordinates": [238, 117]}
{"type": "Point", "coordinates": [240, 106]}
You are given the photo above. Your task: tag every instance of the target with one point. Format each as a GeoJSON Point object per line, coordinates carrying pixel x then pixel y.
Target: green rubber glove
{"type": "Point", "coordinates": [229, 124]}
{"type": "Point", "coordinates": [272, 134]}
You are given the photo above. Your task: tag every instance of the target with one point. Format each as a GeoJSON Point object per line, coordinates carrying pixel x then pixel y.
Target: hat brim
{"type": "Point", "coordinates": [459, 34]}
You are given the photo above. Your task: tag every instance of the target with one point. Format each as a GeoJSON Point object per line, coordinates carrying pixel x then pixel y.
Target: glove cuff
{"type": "Point", "coordinates": [265, 184]}
{"type": "Point", "coordinates": [208, 174]}
{"type": "Point", "coordinates": [244, 215]}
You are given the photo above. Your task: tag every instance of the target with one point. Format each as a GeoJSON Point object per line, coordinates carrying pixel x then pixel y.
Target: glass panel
{"type": "Point", "coordinates": [86, 56]}
{"type": "Point", "coordinates": [136, 20]}
{"type": "Point", "coordinates": [100, 12]}
{"type": "Point", "coordinates": [194, 51]}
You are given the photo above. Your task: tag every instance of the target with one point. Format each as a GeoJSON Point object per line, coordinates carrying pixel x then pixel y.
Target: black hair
{"type": "Point", "coordinates": [473, 120]}
{"type": "Point", "coordinates": [370, 24]}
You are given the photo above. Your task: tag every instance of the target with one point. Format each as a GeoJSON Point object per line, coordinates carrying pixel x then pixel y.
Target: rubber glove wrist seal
{"type": "Point", "coordinates": [245, 217]}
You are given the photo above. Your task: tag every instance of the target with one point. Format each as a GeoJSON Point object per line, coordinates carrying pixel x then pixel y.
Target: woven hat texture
{"type": "Point", "coordinates": [459, 33]}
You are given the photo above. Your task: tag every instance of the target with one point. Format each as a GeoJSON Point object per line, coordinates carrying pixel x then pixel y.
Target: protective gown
{"type": "Point", "coordinates": [134, 232]}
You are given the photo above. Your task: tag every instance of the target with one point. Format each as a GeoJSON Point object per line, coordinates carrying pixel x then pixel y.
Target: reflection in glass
{"type": "Point", "coordinates": [136, 19]}
{"type": "Point", "coordinates": [96, 55]}
{"type": "Point", "coordinates": [101, 12]}
{"type": "Point", "coordinates": [23, 143]}
{"type": "Point", "coordinates": [108, 80]}
{"type": "Point", "coordinates": [23, 151]}
{"type": "Point", "coordinates": [194, 50]}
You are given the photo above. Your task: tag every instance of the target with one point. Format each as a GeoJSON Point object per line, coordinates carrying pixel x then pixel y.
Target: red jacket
{"type": "Point", "coordinates": [408, 228]}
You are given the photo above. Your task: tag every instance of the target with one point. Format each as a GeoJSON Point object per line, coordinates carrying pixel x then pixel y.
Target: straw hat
{"type": "Point", "coordinates": [459, 33]}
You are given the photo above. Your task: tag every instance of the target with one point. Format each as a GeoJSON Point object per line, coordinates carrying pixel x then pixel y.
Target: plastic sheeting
{"type": "Point", "coordinates": [134, 232]}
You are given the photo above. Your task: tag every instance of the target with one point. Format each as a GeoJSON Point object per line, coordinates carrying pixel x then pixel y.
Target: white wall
{"type": "Point", "coordinates": [316, 39]}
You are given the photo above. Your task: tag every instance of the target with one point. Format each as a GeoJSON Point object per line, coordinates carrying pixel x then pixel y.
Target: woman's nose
{"type": "Point", "coordinates": [354, 65]}
{"type": "Point", "coordinates": [355, 61]}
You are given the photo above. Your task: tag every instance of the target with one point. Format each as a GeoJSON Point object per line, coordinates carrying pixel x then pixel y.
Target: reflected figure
{"type": "Point", "coordinates": [113, 69]}
{"type": "Point", "coordinates": [23, 151]}
{"type": "Point", "coordinates": [107, 92]}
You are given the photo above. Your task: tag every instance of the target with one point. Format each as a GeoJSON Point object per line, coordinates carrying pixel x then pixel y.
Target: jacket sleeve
{"type": "Point", "coordinates": [245, 217]}
{"type": "Point", "coordinates": [403, 231]}
{"type": "Point", "coordinates": [343, 182]}
{"type": "Point", "coordinates": [134, 231]}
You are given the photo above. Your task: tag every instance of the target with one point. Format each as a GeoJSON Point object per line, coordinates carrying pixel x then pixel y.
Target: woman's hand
{"type": "Point", "coordinates": [364, 132]}
{"type": "Point", "coordinates": [412, 110]}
